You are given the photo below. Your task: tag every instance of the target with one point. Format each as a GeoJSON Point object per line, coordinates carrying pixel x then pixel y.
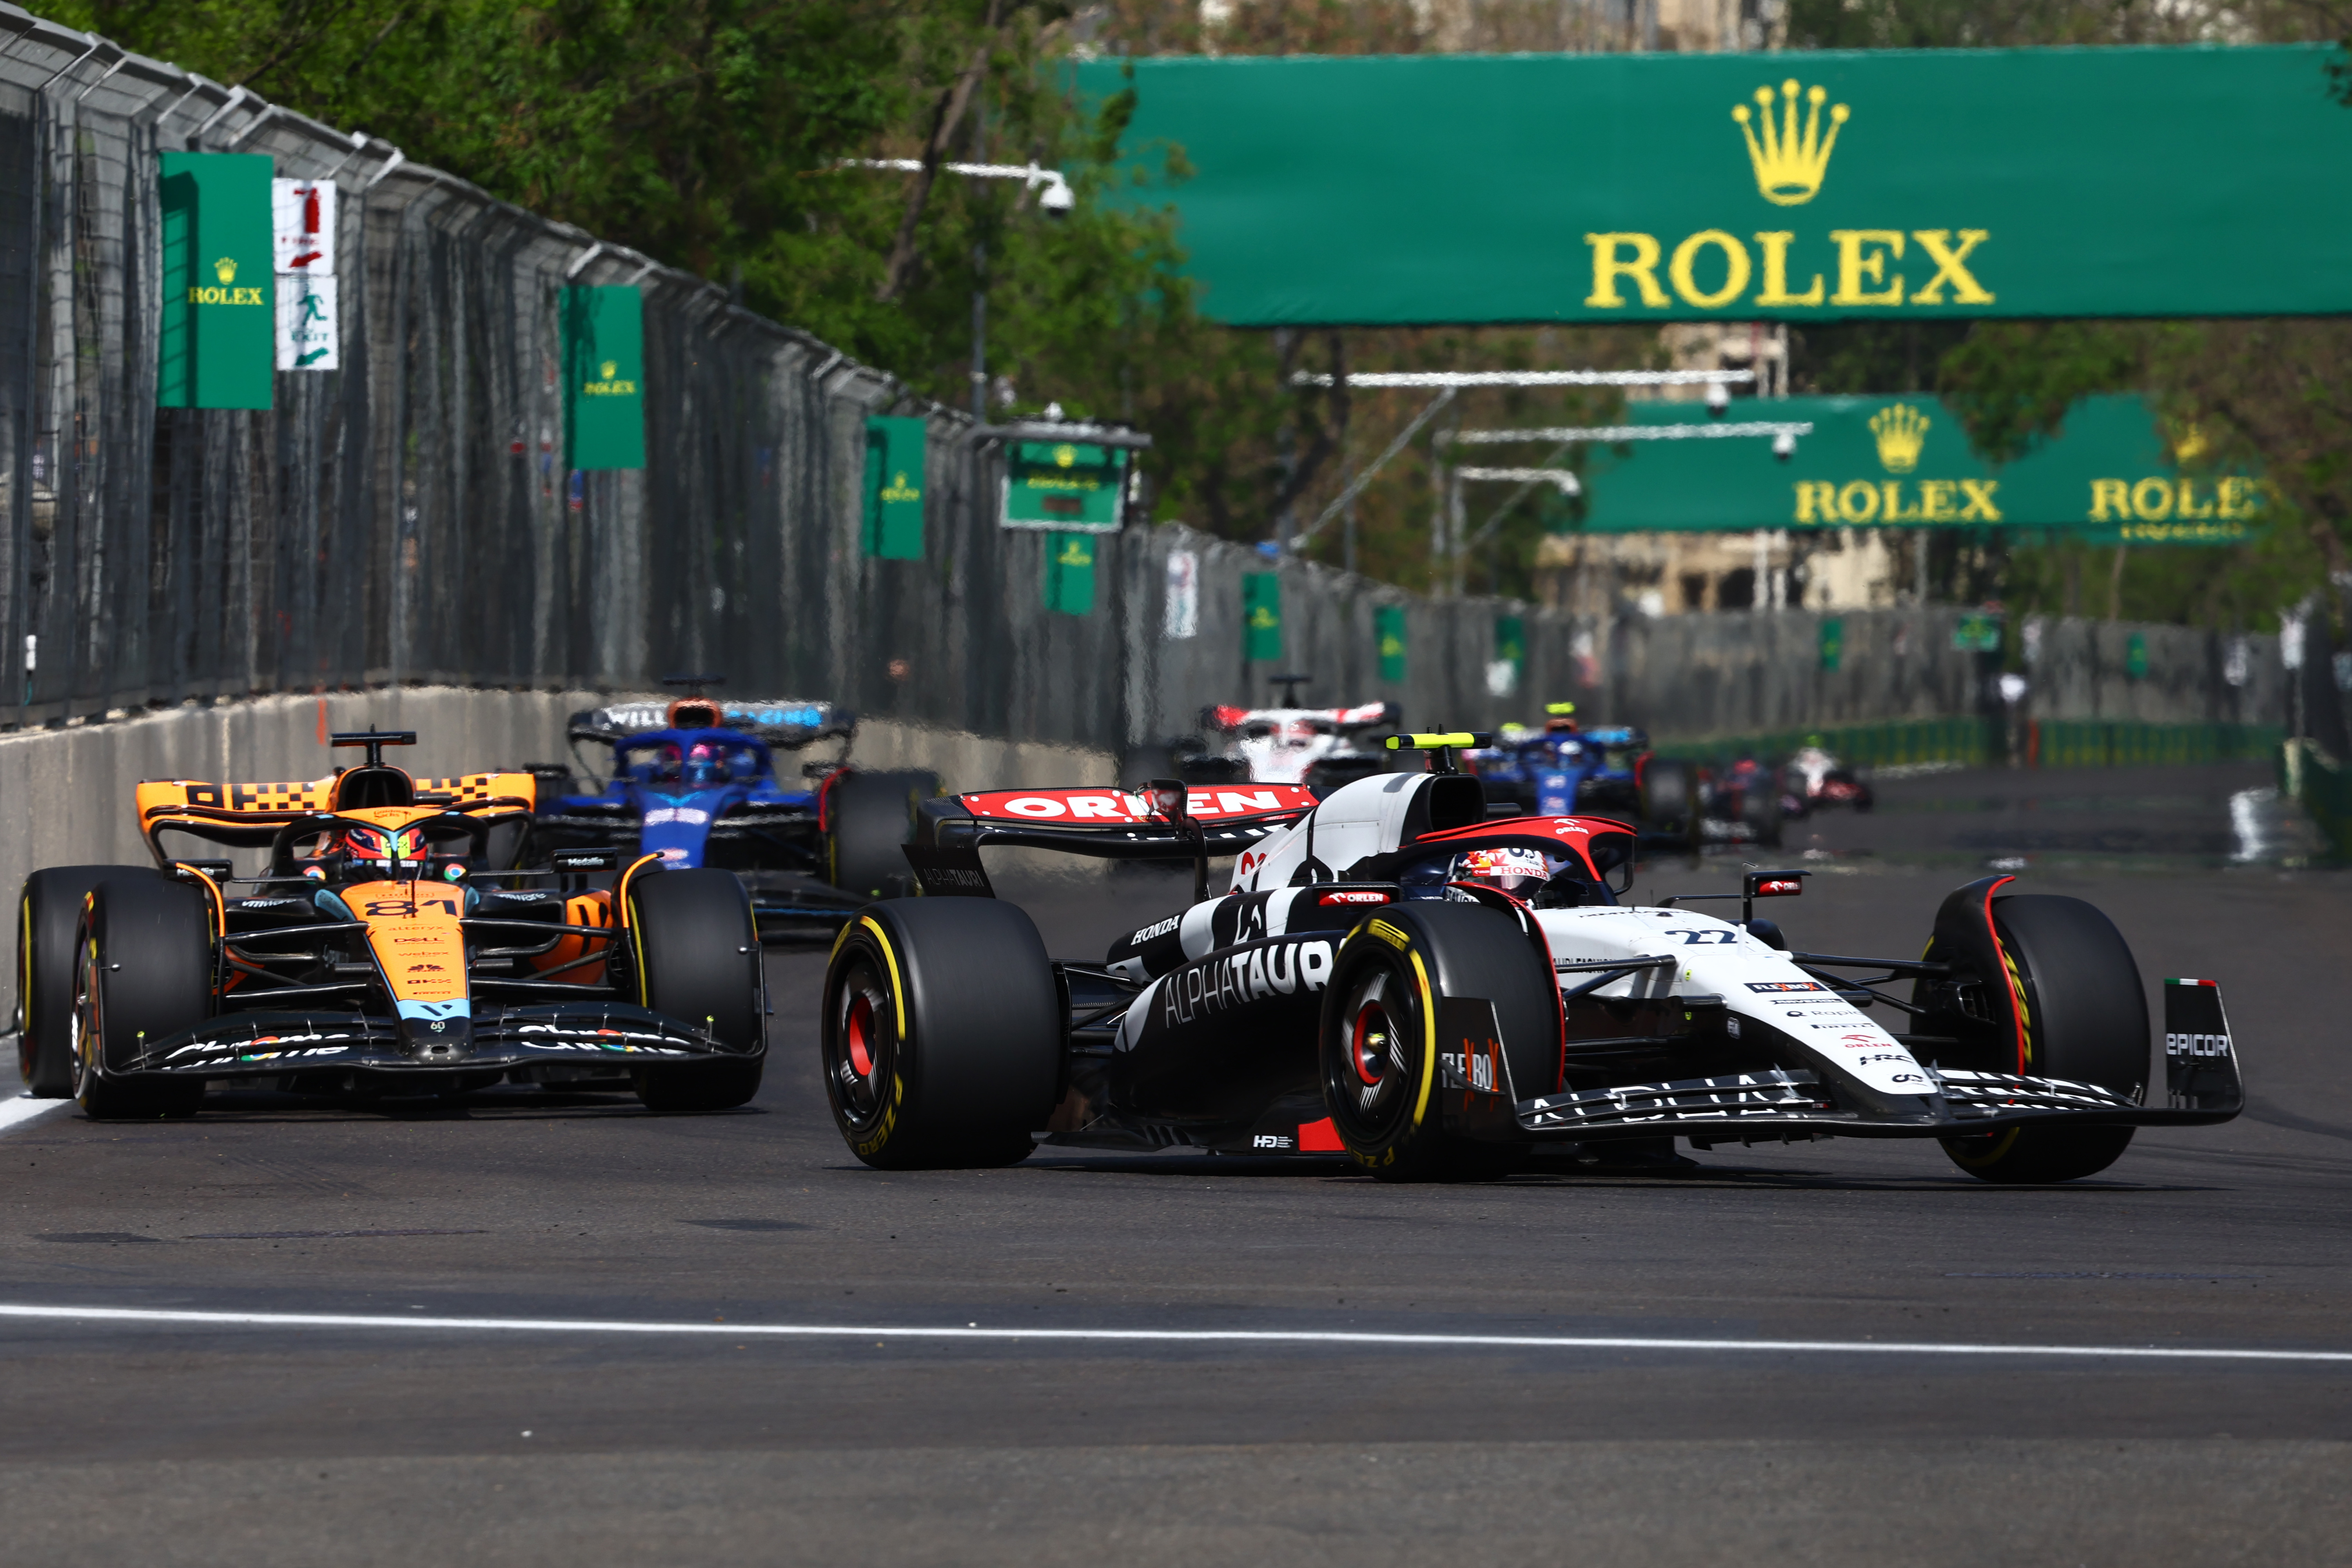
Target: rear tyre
{"type": "Point", "coordinates": [2086, 1021]}
{"type": "Point", "coordinates": [941, 1034]}
{"type": "Point", "coordinates": [868, 817]}
{"type": "Point", "coordinates": [1670, 803]}
{"type": "Point", "coordinates": [143, 973]}
{"type": "Point", "coordinates": [48, 912]}
{"type": "Point", "coordinates": [696, 955]}
{"type": "Point", "coordinates": [1377, 1057]}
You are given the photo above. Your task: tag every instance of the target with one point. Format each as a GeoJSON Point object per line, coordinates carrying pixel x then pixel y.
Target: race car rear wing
{"type": "Point", "coordinates": [786, 723]}
{"type": "Point", "coordinates": [249, 815]}
{"type": "Point", "coordinates": [1222, 717]}
{"type": "Point", "coordinates": [1163, 821]}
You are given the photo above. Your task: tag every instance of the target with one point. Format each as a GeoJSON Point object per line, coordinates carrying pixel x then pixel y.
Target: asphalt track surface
{"type": "Point", "coordinates": [527, 1427]}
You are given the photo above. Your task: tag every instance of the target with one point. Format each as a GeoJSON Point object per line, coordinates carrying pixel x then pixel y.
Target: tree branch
{"type": "Point", "coordinates": [945, 118]}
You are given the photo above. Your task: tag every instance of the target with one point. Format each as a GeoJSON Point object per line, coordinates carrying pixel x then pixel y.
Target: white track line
{"type": "Point", "coordinates": [1148, 1336]}
{"type": "Point", "coordinates": [22, 1108]}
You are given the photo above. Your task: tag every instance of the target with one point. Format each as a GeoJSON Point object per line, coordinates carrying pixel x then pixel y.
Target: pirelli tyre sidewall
{"type": "Point", "coordinates": [1377, 1055]}
{"type": "Point", "coordinates": [2086, 1021]}
{"type": "Point", "coordinates": [143, 973]}
{"type": "Point", "coordinates": [941, 1034]}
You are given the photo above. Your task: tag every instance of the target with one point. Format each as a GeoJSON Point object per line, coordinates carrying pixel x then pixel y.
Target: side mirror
{"type": "Point", "coordinates": [1768, 885]}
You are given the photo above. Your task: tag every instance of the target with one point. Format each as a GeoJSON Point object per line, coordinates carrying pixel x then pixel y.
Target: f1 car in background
{"type": "Point", "coordinates": [1821, 779]}
{"type": "Point", "coordinates": [1318, 747]}
{"type": "Point", "coordinates": [384, 946]}
{"type": "Point", "coordinates": [1563, 769]}
{"type": "Point", "coordinates": [694, 781]}
{"type": "Point", "coordinates": [1395, 975]}
{"type": "Point", "coordinates": [1747, 803]}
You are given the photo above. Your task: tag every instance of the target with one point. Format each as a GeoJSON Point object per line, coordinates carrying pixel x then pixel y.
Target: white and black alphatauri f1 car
{"type": "Point", "coordinates": [1396, 975]}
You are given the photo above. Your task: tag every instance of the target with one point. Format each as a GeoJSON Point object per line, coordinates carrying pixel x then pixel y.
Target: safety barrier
{"type": "Point", "coordinates": [1975, 742]}
{"type": "Point", "coordinates": [2323, 785]}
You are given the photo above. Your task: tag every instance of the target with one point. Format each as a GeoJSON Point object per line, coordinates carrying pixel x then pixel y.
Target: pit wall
{"type": "Point", "coordinates": [66, 794]}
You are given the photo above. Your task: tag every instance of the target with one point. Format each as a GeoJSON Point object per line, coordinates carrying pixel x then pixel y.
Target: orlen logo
{"type": "Point", "coordinates": [1116, 805]}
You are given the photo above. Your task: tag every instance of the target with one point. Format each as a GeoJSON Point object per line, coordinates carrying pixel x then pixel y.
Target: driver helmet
{"type": "Point", "coordinates": [1519, 870]}
{"type": "Point", "coordinates": [382, 846]}
{"type": "Point", "coordinates": [705, 764]}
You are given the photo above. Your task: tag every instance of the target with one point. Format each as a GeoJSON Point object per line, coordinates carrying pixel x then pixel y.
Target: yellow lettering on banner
{"type": "Point", "coordinates": [1863, 510]}
{"type": "Point", "coordinates": [2152, 500]}
{"type": "Point", "coordinates": [1642, 267]}
{"type": "Point", "coordinates": [1981, 508]}
{"type": "Point", "coordinates": [1966, 289]}
{"type": "Point", "coordinates": [1863, 253]}
{"type": "Point", "coordinates": [2187, 505]}
{"type": "Point", "coordinates": [1936, 501]}
{"type": "Point", "coordinates": [1816, 501]}
{"type": "Point", "coordinates": [1894, 511]}
{"type": "Point", "coordinates": [2110, 493]}
{"type": "Point", "coordinates": [1776, 274]}
{"type": "Point", "coordinates": [1735, 268]}
{"type": "Point", "coordinates": [2240, 497]}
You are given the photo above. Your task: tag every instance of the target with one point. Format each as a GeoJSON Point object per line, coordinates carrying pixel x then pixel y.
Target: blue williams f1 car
{"type": "Point", "coordinates": [695, 782]}
{"type": "Point", "coordinates": [1564, 770]}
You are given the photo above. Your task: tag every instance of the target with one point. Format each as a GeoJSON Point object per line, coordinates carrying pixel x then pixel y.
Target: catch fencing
{"type": "Point", "coordinates": [408, 517]}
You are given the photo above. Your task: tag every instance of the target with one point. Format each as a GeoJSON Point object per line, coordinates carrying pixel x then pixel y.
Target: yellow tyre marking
{"type": "Point", "coordinates": [1429, 1039]}
{"type": "Point", "coordinates": [897, 989]}
{"type": "Point", "coordinates": [25, 966]}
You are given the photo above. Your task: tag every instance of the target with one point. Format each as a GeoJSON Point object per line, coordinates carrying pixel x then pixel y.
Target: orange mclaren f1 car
{"type": "Point", "coordinates": [381, 945]}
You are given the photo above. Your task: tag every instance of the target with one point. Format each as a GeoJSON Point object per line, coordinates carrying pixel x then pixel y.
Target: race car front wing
{"type": "Point", "coordinates": [261, 1044]}
{"type": "Point", "coordinates": [2202, 1086]}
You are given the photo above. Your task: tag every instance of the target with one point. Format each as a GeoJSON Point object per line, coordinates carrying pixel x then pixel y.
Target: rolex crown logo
{"type": "Point", "coordinates": [611, 368]}
{"type": "Point", "coordinates": [1790, 164]}
{"type": "Point", "coordinates": [1065, 454]}
{"type": "Point", "coordinates": [1901, 431]}
{"type": "Point", "coordinates": [226, 269]}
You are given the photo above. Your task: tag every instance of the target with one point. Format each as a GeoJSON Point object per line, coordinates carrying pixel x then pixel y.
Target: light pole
{"type": "Point", "coordinates": [1057, 201]}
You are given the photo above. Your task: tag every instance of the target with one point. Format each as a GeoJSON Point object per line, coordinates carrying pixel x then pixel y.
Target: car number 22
{"type": "Point", "coordinates": [1708, 938]}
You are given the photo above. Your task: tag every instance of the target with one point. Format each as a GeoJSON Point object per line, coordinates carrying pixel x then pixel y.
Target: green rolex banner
{"type": "Point", "coordinates": [1064, 485]}
{"type": "Point", "coordinates": [1262, 615]}
{"type": "Point", "coordinates": [216, 337]}
{"type": "Point", "coordinates": [1070, 573]}
{"type": "Point", "coordinates": [2111, 473]}
{"type": "Point", "coordinates": [1388, 632]}
{"type": "Point", "coordinates": [603, 377]}
{"type": "Point", "coordinates": [1801, 186]}
{"type": "Point", "coordinates": [1510, 640]}
{"type": "Point", "coordinates": [1832, 645]}
{"type": "Point", "coordinates": [894, 489]}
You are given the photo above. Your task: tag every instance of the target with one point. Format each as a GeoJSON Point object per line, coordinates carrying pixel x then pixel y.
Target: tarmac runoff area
{"type": "Point", "coordinates": [541, 1329]}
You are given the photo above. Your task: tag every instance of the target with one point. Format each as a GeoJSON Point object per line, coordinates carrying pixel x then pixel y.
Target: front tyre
{"type": "Point", "coordinates": [48, 913]}
{"type": "Point", "coordinates": [2086, 1021]}
{"type": "Point", "coordinates": [696, 952]}
{"type": "Point", "coordinates": [1670, 802]}
{"type": "Point", "coordinates": [143, 973]}
{"type": "Point", "coordinates": [1378, 1058]}
{"type": "Point", "coordinates": [941, 1034]}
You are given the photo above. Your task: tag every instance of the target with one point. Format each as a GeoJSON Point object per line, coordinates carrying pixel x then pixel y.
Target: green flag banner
{"type": "Point", "coordinates": [894, 488]}
{"type": "Point", "coordinates": [1262, 615]}
{"type": "Point", "coordinates": [216, 336]}
{"type": "Point", "coordinates": [1979, 631]}
{"type": "Point", "coordinates": [1070, 573]}
{"type": "Point", "coordinates": [1063, 485]}
{"type": "Point", "coordinates": [1652, 187]}
{"type": "Point", "coordinates": [605, 378]}
{"type": "Point", "coordinates": [1832, 645]}
{"type": "Point", "coordinates": [2110, 474]}
{"type": "Point", "coordinates": [1388, 632]}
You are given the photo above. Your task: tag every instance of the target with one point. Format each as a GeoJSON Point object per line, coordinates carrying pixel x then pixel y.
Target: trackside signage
{"type": "Point", "coordinates": [2113, 472]}
{"type": "Point", "coordinates": [2103, 182]}
{"type": "Point", "coordinates": [217, 330]}
{"type": "Point", "coordinates": [1110, 808]}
